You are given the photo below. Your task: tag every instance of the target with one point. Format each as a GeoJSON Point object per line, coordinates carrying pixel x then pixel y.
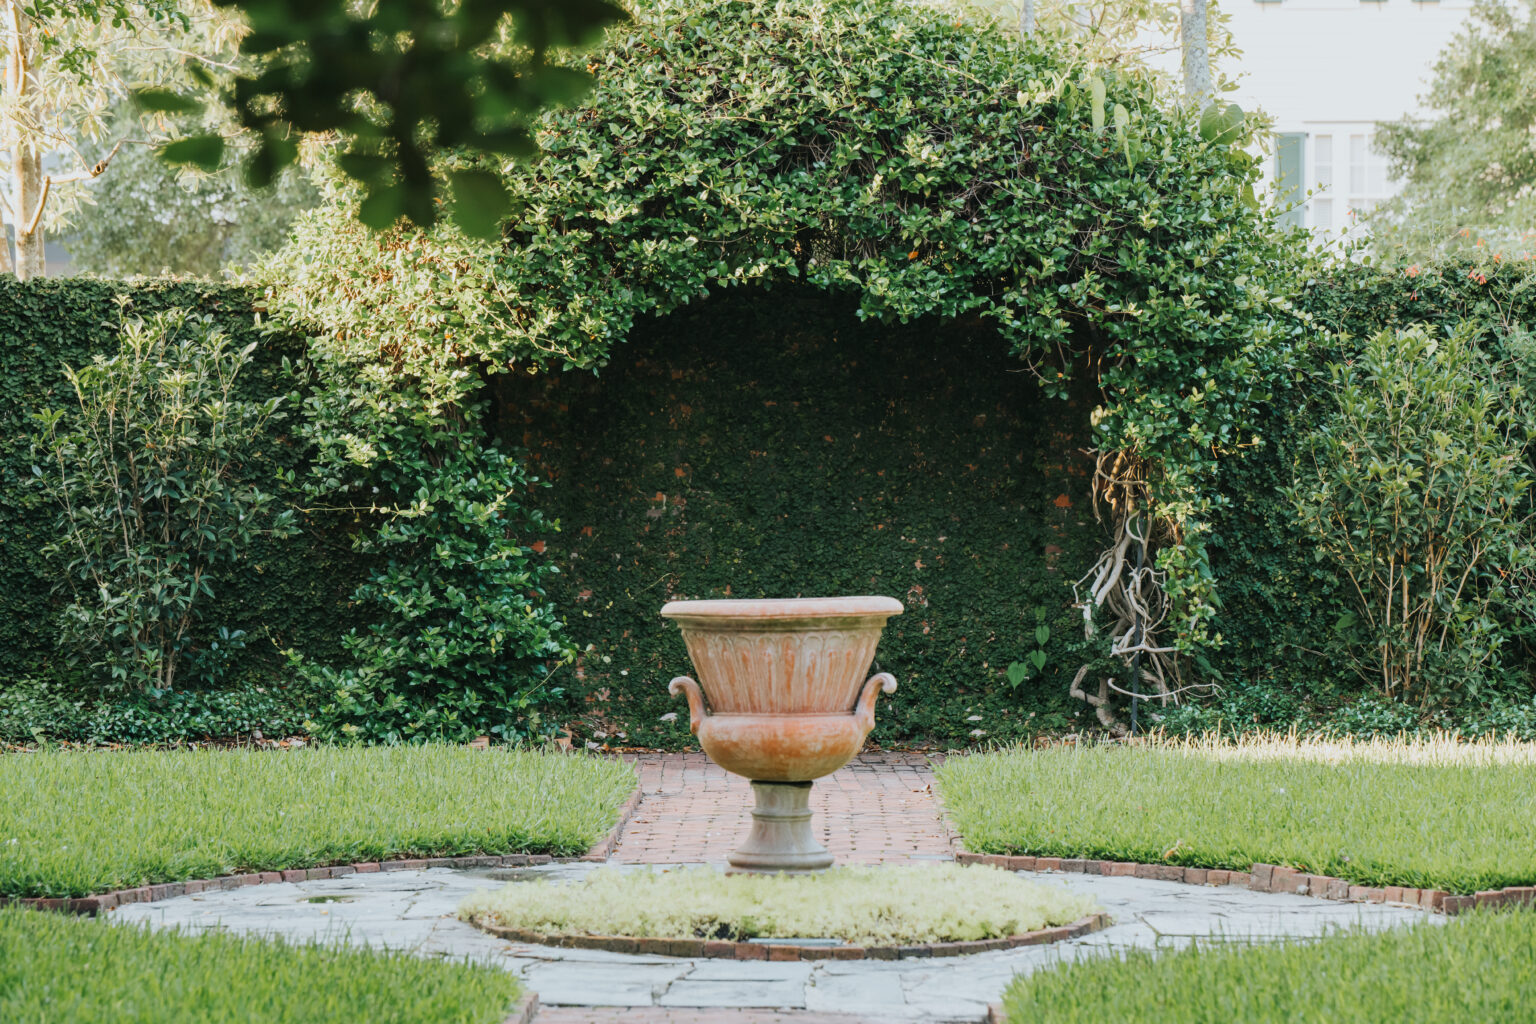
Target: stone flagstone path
{"type": "Point", "coordinates": [687, 814]}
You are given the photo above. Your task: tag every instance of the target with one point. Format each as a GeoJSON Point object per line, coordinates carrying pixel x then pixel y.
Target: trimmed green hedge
{"type": "Point", "coordinates": [698, 464]}
{"type": "Point", "coordinates": [292, 593]}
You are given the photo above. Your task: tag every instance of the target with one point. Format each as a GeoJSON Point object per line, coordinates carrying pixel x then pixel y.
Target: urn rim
{"type": "Point", "coordinates": [781, 608]}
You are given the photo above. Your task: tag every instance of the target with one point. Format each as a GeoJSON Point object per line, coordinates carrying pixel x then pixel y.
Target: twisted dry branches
{"type": "Point", "coordinates": [1124, 593]}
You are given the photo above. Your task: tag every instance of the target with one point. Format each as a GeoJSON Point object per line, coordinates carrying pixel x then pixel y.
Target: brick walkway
{"type": "Point", "coordinates": [880, 808]}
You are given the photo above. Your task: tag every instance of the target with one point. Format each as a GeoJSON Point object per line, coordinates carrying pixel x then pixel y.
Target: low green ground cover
{"type": "Point", "coordinates": [865, 906]}
{"type": "Point", "coordinates": [55, 967]}
{"type": "Point", "coordinates": [1427, 814]}
{"type": "Point", "coordinates": [77, 822]}
{"type": "Point", "coordinates": [1476, 968]}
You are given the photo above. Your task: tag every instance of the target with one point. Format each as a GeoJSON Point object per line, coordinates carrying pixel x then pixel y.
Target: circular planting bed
{"type": "Point", "coordinates": [847, 913]}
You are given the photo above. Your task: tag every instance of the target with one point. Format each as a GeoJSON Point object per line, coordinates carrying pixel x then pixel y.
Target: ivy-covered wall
{"type": "Point", "coordinates": [287, 593]}
{"type": "Point", "coordinates": [770, 444]}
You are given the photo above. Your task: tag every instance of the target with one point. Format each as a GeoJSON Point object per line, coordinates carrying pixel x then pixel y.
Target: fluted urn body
{"type": "Point", "coordinates": [782, 698]}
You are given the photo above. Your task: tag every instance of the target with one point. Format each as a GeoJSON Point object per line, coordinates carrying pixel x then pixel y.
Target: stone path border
{"type": "Point", "coordinates": [778, 951]}
{"type": "Point", "coordinates": [1267, 878]}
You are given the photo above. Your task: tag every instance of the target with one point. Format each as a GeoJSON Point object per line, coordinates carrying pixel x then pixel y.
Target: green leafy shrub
{"type": "Point", "coordinates": [143, 471]}
{"type": "Point", "coordinates": [285, 592]}
{"type": "Point", "coordinates": [925, 168]}
{"type": "Point", "coordinates": [1417, 491]}
{"type": "Point", "coordinates": [460, 631]}
{"type": "Point", "coordinates": [1283, 661]}
{"type": "Point", "coordinates": [33, 710]}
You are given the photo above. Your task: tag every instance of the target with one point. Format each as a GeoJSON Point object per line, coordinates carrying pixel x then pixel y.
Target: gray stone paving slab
{"type": "Point", "coordinates": [414, 911]}
{"type": "Point", "coordinates": [735, 994]}
{"type": "Point", "coordinates": [576, 984]}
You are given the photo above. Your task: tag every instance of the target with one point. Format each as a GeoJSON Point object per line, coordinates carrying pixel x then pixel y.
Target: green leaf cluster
{"type": "Point", "coordinates": [142, 468]}
{"type": "Point", "coordinates": [1417, 490]}
{"type": "Point", "coordinates": [400, 82]}
{"type": "Point", "coordinates": [283, 592]}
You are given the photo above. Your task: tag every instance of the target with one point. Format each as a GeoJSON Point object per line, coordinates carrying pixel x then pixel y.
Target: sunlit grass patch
{"type": "Point", "coordinates": [1424, 814]}
{"type": "Point", "coordinates": [1476, 968]}
{"type": "Point", "coordinates": [77, 822]}
{"type": "Point", "coordinates": [55, 967]}
{"type": "Point", "coordinates": [860, 905]}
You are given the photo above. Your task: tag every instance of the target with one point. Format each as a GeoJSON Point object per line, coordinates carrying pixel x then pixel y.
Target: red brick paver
{"type": "Point", "coordinates": [880, 808]}
{"type": "Point", "coordinates": [669, 1015]}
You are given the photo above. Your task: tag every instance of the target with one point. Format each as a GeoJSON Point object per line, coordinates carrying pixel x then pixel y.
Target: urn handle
{"type": "Point", "coordinates": [864, 709]}
{"type": "Point", "coordinates": [696, 712]}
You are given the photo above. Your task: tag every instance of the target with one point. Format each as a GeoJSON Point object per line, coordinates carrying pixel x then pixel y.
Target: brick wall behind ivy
{"type": "Point", "coordinates": [769, 444]}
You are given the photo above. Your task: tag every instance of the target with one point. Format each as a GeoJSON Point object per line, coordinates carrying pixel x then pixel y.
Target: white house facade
{"type": "Point", "coordinates": [1327, 71]}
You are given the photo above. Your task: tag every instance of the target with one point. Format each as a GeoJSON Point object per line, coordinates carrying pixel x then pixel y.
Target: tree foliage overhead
{"type": "Point", "coordinates": [929, 167]}
{"type": "Point", "coordinates": [1470, 173]}
{"type": "Point", "coordinates": [399, 81]}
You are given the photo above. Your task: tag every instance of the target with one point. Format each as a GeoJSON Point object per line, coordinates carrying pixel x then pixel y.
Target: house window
{"type": "Point", "coordinates": [1322, 172]}
{"type": "Point", "coordinates": [1370, 180]}
{"type": "Point", "coordinates": [1290, 153]}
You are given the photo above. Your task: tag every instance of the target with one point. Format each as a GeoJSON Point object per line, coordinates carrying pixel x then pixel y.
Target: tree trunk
{"type": "Point", "coordinates": [1197, 55]}
{"type": "Point", "coordinates": [1026, 18]}
{"type": "Point", "coordinates": [29, 189]}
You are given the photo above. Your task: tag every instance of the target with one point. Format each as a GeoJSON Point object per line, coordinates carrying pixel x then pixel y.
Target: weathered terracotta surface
{"type": "Point", "coordinates": [782, 699]}
{"type": "Point", "coordinates": [782, 694]}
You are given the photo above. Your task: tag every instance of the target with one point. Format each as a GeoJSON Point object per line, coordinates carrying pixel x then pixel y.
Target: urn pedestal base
{"type": "Point", "coordinates": [781, 838]}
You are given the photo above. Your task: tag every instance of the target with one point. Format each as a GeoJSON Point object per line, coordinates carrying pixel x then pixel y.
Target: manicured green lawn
{"type": "Point", "coordinates": [77, 822]}
{"type": "Point", "coordinates": [55, 968]}
{"type": "Point", "coordinates": [1458, 817]}
{"type": "Point", "coordinates": [866, 906]}
{"type": "Point", "coordinates": [1475, 968]}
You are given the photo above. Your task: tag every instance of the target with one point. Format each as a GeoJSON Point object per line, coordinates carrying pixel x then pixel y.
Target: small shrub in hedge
{"type": "Point", "coordinates": [142, 469]}
{"type": "Point", "coordinates": [1417, 491]}
{"type": "Point", "coordinates": [460, 626]}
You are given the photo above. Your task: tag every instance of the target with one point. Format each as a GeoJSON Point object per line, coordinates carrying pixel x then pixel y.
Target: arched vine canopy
{"type": "Point", "coordinates": [930, 166]}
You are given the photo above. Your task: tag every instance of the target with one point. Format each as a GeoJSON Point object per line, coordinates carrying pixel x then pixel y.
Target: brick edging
{"type": "Point", "coordinates": [526, 1009]}
{"type": "Point", "coordinates": [95, 904]}
{"type": "Point", "coordinates": [722, 950]}
{"type": "Point", "coordinates": [1266, 878]}
{"type": "Point", "coordinates": [603, 848]}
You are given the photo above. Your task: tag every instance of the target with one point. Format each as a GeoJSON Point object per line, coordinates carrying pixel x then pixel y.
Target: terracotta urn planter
{"type": "Point", "coordinates": [782, 698]}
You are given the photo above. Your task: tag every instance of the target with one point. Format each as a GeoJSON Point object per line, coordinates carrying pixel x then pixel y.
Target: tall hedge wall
{"type": "Point", "coordinates": [286, 593]}
{"type": "Point", "coordinates": [1280, 602]}
{"type": "Point", "coordinates": [770, 444]}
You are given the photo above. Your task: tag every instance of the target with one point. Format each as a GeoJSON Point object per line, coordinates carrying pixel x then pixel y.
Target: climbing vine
{"type": "Point", "coordinates": [928, 167]}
